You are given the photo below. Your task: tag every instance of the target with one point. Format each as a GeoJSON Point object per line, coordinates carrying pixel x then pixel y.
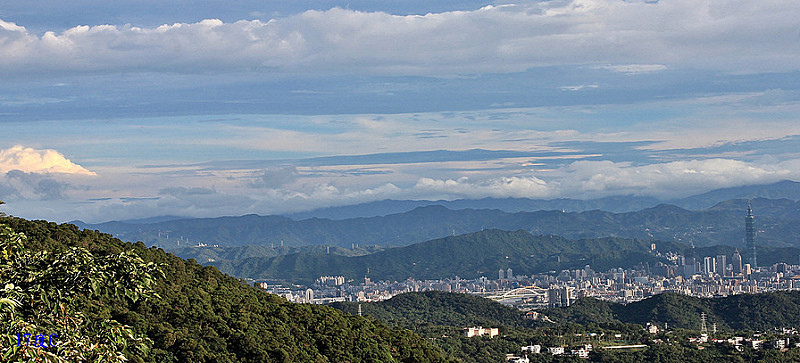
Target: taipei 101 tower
{"type": "Point", "coordinates": [750, 234]}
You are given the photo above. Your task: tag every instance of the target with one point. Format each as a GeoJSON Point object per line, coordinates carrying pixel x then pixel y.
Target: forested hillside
{"type": "Point", "coordinates": [756, 312]}
{"type": "Point", "coordinates": [416, 310]}
{"type": "Point", "coordinates": [733, 313]}
{"type": "Point", "coordinates": [109, 300]}
{"type": "Point", "coordinates": [441, 317]}
{"type": "Point", "coordinates": [467, 256]}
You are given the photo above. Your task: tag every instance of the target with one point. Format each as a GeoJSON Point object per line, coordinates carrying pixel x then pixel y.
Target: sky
{"type": "Point", "coordinates": [132, 109]}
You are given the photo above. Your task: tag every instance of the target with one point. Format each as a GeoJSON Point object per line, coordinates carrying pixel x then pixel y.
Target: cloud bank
{"type": "Point", "coordinates": [30, 160]}
{"type": "Point", "coordinates": [622, 36]}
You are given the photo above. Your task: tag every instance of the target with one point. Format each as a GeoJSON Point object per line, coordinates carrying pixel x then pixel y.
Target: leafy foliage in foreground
{"type": "Point", "coordinates": [52, 294]}
{"type": "Point", "coordinates": [200, 314]}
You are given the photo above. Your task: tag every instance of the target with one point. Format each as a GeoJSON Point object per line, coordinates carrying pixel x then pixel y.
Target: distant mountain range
{"type": "Point", "coordinates": [786, 189]}
{"type": "Point", "coordinates": [776, 221]}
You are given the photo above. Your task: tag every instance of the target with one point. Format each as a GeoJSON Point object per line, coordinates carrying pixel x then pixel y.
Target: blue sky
{"type": "Point", "coordinates": [129, 109]}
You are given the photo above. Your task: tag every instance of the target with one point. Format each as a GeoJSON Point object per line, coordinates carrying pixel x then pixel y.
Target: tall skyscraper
{"type": "Point", "coordinates": [709, 266]}
{"type": "Point", "coordinates": [722, 264]}
{"type": "Point", "coordinates": [501, 274]}
{"type": "Point", "coordinates": [737, 262]}
{"type": "Point", "coordinates": [750, 235]}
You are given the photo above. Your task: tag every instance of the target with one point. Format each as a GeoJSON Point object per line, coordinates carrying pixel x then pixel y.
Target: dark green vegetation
{"type": "Point", "coordinates": [467, 256]}
{"type": "Point", "coordinates": [734, 313]}
{"type": "Point", "coordinates": [721, 224]}
{"type": "Point", "coordinates": [209, 253]}
{"type": "Point", "coordinates": [415, 311]}
{"type": "Point", "coordinates": [51, 294]}
{"type": "Point", "coordinates": [441, 317]}
{"type": "Point", "coordinates": [151, 306]}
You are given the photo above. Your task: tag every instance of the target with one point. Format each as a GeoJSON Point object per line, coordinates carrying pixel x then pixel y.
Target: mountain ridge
{"type": "Point", "coordinates": [721, 223]}
{"type": "Point", "coordinates": [468, 256]}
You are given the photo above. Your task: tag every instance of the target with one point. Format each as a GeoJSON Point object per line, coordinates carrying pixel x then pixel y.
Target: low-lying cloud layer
{"type": "Point", "coordinates": [293, 189]}
{"type": "Point", "coordinates": [623, 36]}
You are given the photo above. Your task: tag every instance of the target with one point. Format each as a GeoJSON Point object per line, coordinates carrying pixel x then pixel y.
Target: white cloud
{"type": "Point", "coordinates": [38, 161]}
{"type": "Point", "coordinates": [636, 68]}
{"type": "Point", "coordinates": [502, 187]}
{"type": "Point", "coordinates": [186, 201]}
{"type": "Point", "coordinates": [594, 179]}
{"type": "Point", "coordinates": [578, 88]}
{"type": "Point", "coordinates": [625, 36]}
{"type": "Point", "coordinates": [665, 180]}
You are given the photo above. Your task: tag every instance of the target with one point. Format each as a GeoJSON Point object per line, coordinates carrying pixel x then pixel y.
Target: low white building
{"type": "Point", "coordinates": [535, 349]}
{"type": "Point", "coordinates": [481, 331]}
{"type": "Point", "coordinates": [555, 350]}
{"type": "Point", "coordinates": [514, 359]}
{"type": "Point", "coordinates": [580, 352]}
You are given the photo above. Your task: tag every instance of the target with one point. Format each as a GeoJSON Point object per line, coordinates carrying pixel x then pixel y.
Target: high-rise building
{"type": "Point", "coordinates": [501, 274]}
{"type": "Point", "coordinates": [559, 296]}
{"type": "Point", "coordinates": [509, 274]}
{"type": "Point", "coordinates": [737, 263]}
{"type": "Point", "coordinates": [709, 266]}
{"type": "Point", "coordinates": [750, 235]}
{"type": "Point", "coordinates": [689, 266]}
{"type": "Point", "coordinates": [722, 263]}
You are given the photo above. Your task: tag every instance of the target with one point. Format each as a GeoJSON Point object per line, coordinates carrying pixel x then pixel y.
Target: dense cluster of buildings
{"type": "Point", "coordinates": [686, 276]}
{"type": "Point", "coordinates": [687, 273]}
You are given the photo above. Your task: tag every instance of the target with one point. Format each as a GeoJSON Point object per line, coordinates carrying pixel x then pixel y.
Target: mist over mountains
{"type": "Point", "coordinates": [786, 189]}
{"type": "Point", "coordinates": [721, 223]}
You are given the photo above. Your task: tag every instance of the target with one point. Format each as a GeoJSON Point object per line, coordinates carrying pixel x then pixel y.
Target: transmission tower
{"type": "Point", "coordinates": [703, 326]}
